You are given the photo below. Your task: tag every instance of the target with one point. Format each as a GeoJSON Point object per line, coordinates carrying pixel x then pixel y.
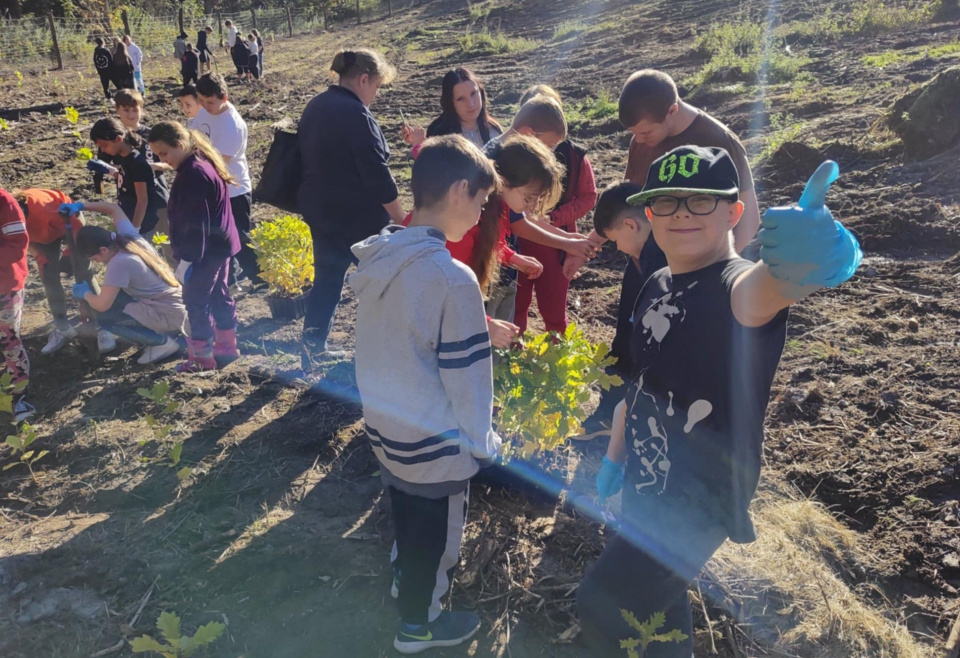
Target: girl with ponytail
{"type": "Point", "coordinates": [204, 238]}
{"type": "Point", "coordinates": [141, 192]}
{"type": "Point", "coordinates": [139, 299]}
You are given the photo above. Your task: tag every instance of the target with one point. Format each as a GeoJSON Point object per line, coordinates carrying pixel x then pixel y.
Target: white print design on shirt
{"type": "Point", "coordinates": [656, 319]}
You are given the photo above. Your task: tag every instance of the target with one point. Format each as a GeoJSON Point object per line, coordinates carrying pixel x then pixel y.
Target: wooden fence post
{"type": "Point", "coordinates": [180, 20]}
{"type": "Point", "coordinates": [108, 25]}
{"type": "Point", "coordinates": [358, 12]}
{"type": "Point", "coordinates": [289, 20]}
{"type": "Point", "coordinates": [253, 16]}
{"type": "Point", "coordinates": [126, 21]}
{"type": "Point", "coordinates": [323, 8]}
{"type": "Point", "coordinates": [389, 8]}
{"type": "Point", "coordinates": [56, 44]}
{"type": "Point", "coordinates": [220, 26]}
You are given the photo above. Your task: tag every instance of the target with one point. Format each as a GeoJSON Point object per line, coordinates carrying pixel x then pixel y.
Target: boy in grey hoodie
{"type": "Point", "coordinates": [425, 378]}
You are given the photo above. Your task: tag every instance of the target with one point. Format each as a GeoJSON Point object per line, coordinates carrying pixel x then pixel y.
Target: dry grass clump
{"type": "Point", "coordinates": [792, 592]}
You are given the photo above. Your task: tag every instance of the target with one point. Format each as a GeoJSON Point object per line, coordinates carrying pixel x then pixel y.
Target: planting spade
{"type": "Point", "coordinates": [88, 330]}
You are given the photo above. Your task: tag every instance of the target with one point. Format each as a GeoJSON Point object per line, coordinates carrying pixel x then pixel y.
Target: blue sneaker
{"type": "Point", "coordinates": [447, 630]}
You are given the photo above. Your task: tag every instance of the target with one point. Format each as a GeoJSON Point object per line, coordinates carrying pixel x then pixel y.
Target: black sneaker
{"type": "Point", "coordinates": [447, 630]}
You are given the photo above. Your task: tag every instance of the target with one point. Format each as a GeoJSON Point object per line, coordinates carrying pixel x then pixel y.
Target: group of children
{"type": "Point", "coordinates": [247, 52]}
{"type": "Point", "coordinates": [704, 333]}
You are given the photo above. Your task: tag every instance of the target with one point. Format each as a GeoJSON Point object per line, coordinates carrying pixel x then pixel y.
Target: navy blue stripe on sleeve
{"type": "Point", "coordinates": [464, 362]}
{"type": "Point", "coordinates": [460, 345]}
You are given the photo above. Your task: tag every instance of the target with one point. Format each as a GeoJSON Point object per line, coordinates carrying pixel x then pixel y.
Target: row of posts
{"type": "Point", "coordinates": [253, 15]}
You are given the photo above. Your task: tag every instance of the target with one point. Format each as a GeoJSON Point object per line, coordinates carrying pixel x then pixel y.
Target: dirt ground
{"type": "Point", "coordinates": [282, 531]}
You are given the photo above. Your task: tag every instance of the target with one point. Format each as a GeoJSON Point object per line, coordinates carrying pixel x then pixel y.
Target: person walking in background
{"type": "Point", "coordinates": [189, 65]}
{"type": "Point", "coordinates": [347, 192]}
{"type": "Point", "coordinates": [121, 70]}
{"type": "Point", "coordinates": [180, 46]}
{"type": "Point", "coordinates": [238, 51]}
{"type": "Point", "coordinates": [259, 51]}
{"type": "Point", "coordinates": [136, 57]}
{"type": "Point", "coordinates": [204, 49]}
{"type": "Point", "coordinates": [103, 63]}
{"type": "Point", "coordinates": [253, 65]}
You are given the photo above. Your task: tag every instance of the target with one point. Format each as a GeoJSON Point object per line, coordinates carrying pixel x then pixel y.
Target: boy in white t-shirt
{"type": "Point", "coordinates": [219, 120]}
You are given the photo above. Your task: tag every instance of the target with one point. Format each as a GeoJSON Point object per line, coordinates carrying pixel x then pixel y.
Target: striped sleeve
{"type": "Point", "coordinates": [466, 368]}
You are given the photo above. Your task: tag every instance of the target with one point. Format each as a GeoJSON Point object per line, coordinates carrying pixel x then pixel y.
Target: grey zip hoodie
{"type": "Point", "coordinates": [423, 361]}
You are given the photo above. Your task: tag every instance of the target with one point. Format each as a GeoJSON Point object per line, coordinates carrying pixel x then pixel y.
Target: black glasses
{"type": "Point", "coordinates": [698, 204]}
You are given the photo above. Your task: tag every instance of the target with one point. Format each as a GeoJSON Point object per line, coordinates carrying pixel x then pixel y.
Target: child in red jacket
{"type": "Point", "coordinates": [579, 197]}
{"type": "Point", "coordinates": [13, 273]}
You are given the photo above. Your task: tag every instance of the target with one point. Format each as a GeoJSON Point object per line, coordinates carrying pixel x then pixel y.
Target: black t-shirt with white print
{"type": "Point", "coordinates": [135, 168]}
{"type": "Point", "coordinates": [696, 405]}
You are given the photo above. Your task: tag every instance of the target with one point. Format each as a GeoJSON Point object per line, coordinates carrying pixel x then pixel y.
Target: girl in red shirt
{"type": "Point", "coordinates": [579, 197]}
{"type": "Point", "coordinates": [13, 274]}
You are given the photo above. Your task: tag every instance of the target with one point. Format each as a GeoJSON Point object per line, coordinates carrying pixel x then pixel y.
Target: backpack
{"type": "Point", "coordinates": [281, 174]}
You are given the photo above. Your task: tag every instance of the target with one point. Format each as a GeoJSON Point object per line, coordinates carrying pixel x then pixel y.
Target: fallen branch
{"type": "Point", "coordinates": [953, 642]}
{"type": "Point", "coordinates": [133, 620]}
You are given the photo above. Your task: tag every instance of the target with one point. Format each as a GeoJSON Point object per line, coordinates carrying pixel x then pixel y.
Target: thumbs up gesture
{"type": "Point", "coordinates": [803, 244]}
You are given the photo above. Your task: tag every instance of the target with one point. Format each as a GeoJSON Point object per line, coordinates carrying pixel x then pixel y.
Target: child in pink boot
{"type": "Point", "coordinates": [203, 237]}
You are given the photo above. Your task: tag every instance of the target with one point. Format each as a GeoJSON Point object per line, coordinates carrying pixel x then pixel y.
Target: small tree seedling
{"type": "Point", "coordinates": [177, 645]}
{"type": "Point", "coordinates": [637, 647]}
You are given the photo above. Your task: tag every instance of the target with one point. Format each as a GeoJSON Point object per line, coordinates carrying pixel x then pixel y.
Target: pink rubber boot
{"type": "Point", "coordinates": [225, 347]}
{"type": "Point", "coordinates": [199, 357]}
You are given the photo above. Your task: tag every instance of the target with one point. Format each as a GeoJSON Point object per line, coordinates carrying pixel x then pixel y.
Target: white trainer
{"type": "Point", "coordinates": [154, 353]}
{"type": "Point", "coordinates": [106, 341]}
{"type": "Point", "coordinates": [58, 339]}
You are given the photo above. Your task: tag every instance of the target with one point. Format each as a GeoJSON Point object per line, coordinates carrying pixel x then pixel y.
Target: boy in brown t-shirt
{"type": "Point", "coordinates": [651, 109]}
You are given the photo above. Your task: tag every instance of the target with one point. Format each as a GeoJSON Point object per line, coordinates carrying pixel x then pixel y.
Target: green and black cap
{"type": "Point", "coordinates": [690, 170]}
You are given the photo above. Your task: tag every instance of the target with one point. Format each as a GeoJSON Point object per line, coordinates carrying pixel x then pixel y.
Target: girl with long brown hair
{"type": "Point", "coordinates": [140, 298]}
{"type": "Point", "coordinates": [463, 111]}
{"type": "Point", "coordinates": [204, 238]}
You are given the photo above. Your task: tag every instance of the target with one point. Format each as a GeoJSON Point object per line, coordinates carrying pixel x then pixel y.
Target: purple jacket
{"type": "Point", "coordinates": [201, 221]}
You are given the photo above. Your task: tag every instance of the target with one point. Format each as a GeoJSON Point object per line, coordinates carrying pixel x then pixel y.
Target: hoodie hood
{"type": "Point", "coordinates": [381, 257]}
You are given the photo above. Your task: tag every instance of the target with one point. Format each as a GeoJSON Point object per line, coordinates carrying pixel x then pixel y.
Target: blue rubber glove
{"type": "Point", "coordinates": [99, 166]}
{"type": "Point", "coordinates": [81, 289]}
{"type": "Point", "coordinates": [803, 244]}
{"type": "Point", "coordinates": [609, 479]}
{"type": "Point", "coordinates": [70, 209]}
{"type": "Point", "coordinates": [183, 271]}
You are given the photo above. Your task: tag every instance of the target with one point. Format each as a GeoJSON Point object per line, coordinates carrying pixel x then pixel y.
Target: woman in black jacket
{"type": "Point", "coordinates": [347, 192]}
{"type": "Point", "coordinates": [463, 111]}
{"type": "Point", "coordinates": [122, 67]}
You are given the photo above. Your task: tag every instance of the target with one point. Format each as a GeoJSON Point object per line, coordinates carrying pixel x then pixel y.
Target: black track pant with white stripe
{"type": "Point", "coordinates": [429, 532]}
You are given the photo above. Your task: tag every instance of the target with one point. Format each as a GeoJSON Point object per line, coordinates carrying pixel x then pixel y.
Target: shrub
{"type": "Point", "coordinates": [494, 43]}
{"type": "Point", "coordinates": [285, 254]}
{"type": "Point", "coordinates": [542, 386]}
{"type": "Point", "coordinates": [745, 51]}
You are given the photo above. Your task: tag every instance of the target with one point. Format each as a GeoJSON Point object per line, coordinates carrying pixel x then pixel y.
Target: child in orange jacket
{"type": "Point", "coordinates": [13, 274]}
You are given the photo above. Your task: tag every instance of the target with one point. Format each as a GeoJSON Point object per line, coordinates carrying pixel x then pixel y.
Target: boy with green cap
{"type": "Point", "coordinates": [708, 331]}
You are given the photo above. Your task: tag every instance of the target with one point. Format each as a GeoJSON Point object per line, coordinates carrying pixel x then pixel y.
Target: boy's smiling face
{"type": "Point", "coordinates": [130, 115]}
{"type": "Point", "coordinates": [692, 241]}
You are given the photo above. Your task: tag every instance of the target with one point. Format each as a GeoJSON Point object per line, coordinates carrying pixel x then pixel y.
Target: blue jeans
{"type": "Point", "coordinates": [120, 324]}
{"type": "Point", "coordinates": [138, 81]}
{"type": "Point", "coordinates": [331, 260]}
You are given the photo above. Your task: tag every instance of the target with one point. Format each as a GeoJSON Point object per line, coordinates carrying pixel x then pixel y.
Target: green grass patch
{"type": "Point", "coordinates": [590, 109]}
{"type": "Point", "coordinates": [784, 127]}
{"type": "Point", "coordinates": [869, 18]}
{"type": "Point", "coordinates": [568, 28]}
{"type": "Point", "coordinates": [494, 43]}
{"type": "Point", "coordinates": [745, 51]}
{"type": "Point", "coordinates": [480, 10]}
{"type": "Point", "coordinates": [891, 57]}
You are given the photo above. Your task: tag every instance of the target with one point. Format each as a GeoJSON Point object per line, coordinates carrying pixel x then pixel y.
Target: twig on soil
{"type": "Point", "coordinates": [133, 621]}
{"type": "Point", "coordinates": [953, 642]}
{"type": "Point", "coordinates": [703, 606]}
